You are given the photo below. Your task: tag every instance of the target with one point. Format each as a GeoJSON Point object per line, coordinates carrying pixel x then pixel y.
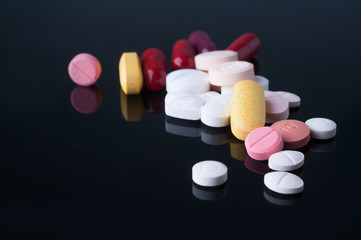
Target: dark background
{"type": "Point", "coordinates": [68, 175]}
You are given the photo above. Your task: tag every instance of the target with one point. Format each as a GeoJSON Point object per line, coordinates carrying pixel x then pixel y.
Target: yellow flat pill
{"type": "Point", "coordinates": [130, 73]}
{"type": "Point", "coordinates": [248, 108]}
{"type": "Point", "coordinates": [131, 106]}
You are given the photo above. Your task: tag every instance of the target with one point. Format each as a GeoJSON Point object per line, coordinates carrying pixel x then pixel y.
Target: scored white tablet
{"type": "Point", "coordinates": [209, 173]}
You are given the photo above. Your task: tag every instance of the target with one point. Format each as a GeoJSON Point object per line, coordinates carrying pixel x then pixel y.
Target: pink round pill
{"type": "Point", "coordinates": [229, 73]}
{"type": "Point", "coordinates": [86, 99]}
{"type": "Point", "coordinates": [84, 69]}
{"type": "Point", "coordinates": [262, 142]}
{"type": "Point", "coordinates": [277, 107]}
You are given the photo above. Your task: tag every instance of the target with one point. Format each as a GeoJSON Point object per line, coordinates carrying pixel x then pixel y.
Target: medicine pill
{"type": "Point", "coordinates": [204, 61]}
{"type": "Point", "coordinates": [264, 82]}
{"type": "Point", "coordinates": [283, 182]}
{"type": "Point", "coordinates": [209, 173]}
{"type": "Point", "coordinates": [322, 128]}
{"type": "Point", "coordinates": [86, 99]}
{"type": "Point", "coordinates": [229, 73]}
{"type": "Point", "coordinates": [293, 99]}
{"type": "Point", "coordinates": [130, 72]}
{"type": "Point", "coordinates": [277, 107]}
{"type": "Point", "coordinates": [226, 90]}
{"type": "Point", "coordinates": [207, 96]}
{"type": "Point", "coordinates": [247, 108]}
{"type": "Point", "coordinates": [286, 160]}
{"type": "Point", "coordinates": [247, 45]}
{"type": "Point", "coordinates": [154, 68]}
{"type": "Point", "coordinates": [216, 112]}
{"type": "Point", "coordinates": [183, 55]}
{"type": "Point", "coordinates": [202, 41]}
{"type": "Point", "coordinates": [84, 69]}
{"type": "Point", "coordinates": [183, 106]}
{"type": "Point", "coordinates": [295, 134]}
{"type": "Point", "coordinates": [262, 142]}
{"type": "Point", "coordinates": [187, 81]}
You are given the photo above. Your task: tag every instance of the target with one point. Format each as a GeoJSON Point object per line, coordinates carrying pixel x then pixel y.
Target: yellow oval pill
{"type": "Point", "coordinates": [130, 73]}
{"type": "Point", "coordinates": [248, 108]}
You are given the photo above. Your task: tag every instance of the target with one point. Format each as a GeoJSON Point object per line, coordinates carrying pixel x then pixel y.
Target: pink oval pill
{"type": "Point", "coordinates": [86, 99]}
{"type": "Point", "coordinates": [262, 142]}
{"type": "Point", "coordinates": [84, 69]}
{"type": "Point", "coordinates": [276, 107]}
{"type": "Point", "coordinates": [229, 73]}
{"type": "Point", "coordinates": [295, 134]}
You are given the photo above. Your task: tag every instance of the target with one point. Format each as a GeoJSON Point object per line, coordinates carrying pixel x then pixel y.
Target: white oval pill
{"type": "Point", "coordinates": [207, 96]}
{"type": "Point", "coordinates": [264, 82]}
{"type": "Point", "coordinates": [287, 160]}
{"type": "Point", "coordinates": [321, 128]}
{"type": "Point", "coordinates": [216, 113]}
{"type": "Point", "coordinates": [187, 81]}
{"type": "Point", "coordinates": [283, 182]}
{"type": "Point", "coordinates": [183, 106]}
{"type": "Point", "coordinates": [293, 99]}
{"type": "Point", "coordinates": [209, 173]}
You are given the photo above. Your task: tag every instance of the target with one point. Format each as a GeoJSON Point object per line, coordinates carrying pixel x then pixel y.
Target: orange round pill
{"type": "Point", "coordinates": [295, 134]}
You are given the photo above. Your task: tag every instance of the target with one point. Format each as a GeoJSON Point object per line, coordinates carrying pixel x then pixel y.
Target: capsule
{"type": "Point", "coordinates": [183, 55]}
{"type": "Point", "coordinates": [154, 68]}
{"type": "Point", "coordinates": [247, 45]}
{"type": "Point", "coordinates": [201, 41]}
{"type": "Point", "coordinates": [248, 108]}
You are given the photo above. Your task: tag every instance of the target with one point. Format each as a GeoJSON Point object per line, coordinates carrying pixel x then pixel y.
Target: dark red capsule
{"type": "Point", "coordinates": [201, 41]}
{"type": "Point", "coordinates": [247, 45]}
{"type": "Point", "coordinates": [183, 55]}
{"type": "Point", "coordinates": [154, 68]}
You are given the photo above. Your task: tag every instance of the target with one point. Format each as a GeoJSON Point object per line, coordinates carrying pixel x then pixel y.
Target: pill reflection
{"type": "Point", "coordinates": [215, 136]}
{"type": "Point", "coordinates": [237, 149]}
{"type": "Point", "coordinates": [186, 128]}
{"type": "Point", "coordinates": [131, 107]}
{"type": "Point", "coordinates": [322, 145]}
{"type": "Point", "coordinates": [86, 100]}
{"type": "Point", "coordinates": [259, 167]}
{"type": "Point", "coordinates": [153, 101]}
{"type": "Point", "coordinates": [281, 199]}
{"type": "Point", "coordinates": [209, 193]}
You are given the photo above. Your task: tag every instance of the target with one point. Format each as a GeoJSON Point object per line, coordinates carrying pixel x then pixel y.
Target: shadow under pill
{"type": "Point", "coordinates": [259, 167]}
{"type": "Point", "coordinates": [322, 145]}
{"type": "Point", "coordinates": [131, 106]}
{"type": "Point", "coordinates": [215, 136]}
{"type": "Point", "coordinates": [209, 193]}
{"type": "Point", "coordinates": [153, 101]}
{"type": "Point", "coordinates": [281, 199]}
{"type": "Point", "coordinates": [181, 127]}
{"type": "Point", "coordinates": [86, 100]}
{"type": "Point", "coordinates": [237, 149]}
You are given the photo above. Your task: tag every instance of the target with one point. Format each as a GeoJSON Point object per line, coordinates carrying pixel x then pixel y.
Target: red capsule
{"type": "Point", "coordinates": [247, 45]}
{"type": "Point", "coordinates": [183, 55]}
{"type": "Point", "coordinates": [154, 68]}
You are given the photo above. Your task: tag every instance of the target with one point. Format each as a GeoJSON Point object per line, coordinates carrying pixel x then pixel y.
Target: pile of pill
{"type": "Point", "coordinates": [220, 89]}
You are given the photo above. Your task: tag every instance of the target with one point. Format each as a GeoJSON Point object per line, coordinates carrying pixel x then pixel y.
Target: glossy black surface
{"type": "Point", "coordinates": [69, 175]}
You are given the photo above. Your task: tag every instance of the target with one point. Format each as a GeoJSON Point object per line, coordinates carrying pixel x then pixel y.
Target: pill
{"type": "Point", "coordinates": [182, 127]}
{"type": "Point", "coordinates": [293, 99]}
{"type": "Point", "coordinates": [247, 45]}
{"type": "Point", "coordinates": [131, 106]}
{"type": "Point", "coordinates": [204, 61]}
{"type": "Point", "coordinates": [247, 108]}
{"type": "Point", "coordinates": [86, 99]}
{"type": "Point", "coordinates": [202, 41]}
{"type": "Point", "coordinates": [321, 128]}
{"type": "Point", "coordinates": [262, 142]}
{"type": "Point", "coordinates": [259, 167]}
{"type": "Point", "coordinates": [286, 160]}
{"type": "Point", "coordinates": [207, 96]}
{"type": "Point", "coordinates": [84, 69]}
{"type": "Point", "coordinates": [183, 106]}
{"type": "Point", "coordinates": [209, 173]}
{"type": "Point", "coordinates": [283, 182]}
{"type": "Point", "coordinates": [295, 134]}
{"type": "Point", "coordinates": [153, 101]}
{"type": "Point", "coordinates": [209, 194]}
{"type": "Point", "coordinates": [187, 81]}
{"type": "Point", "coordinates": [226, 90]}
{"type": "Point", "coordinates": [277, 107]}
{"type": "Point", "coordinates": [216, 112]}
{"type": "Point", "coordinates": [215, 136]}
{"type": "Point", "coordinates": [229, 73]}
{"type": "Point", "coordinates": [264, 82]}
{"type": "Point", "coordinates": [183, 55]}
{"type": "Point", "coordinates": [130, 72]}
{"type": "Point", "coordinates": [154, 68]}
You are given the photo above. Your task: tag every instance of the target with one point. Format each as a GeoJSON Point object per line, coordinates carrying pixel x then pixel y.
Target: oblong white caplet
{"type": "Point", "coordinates": [187, 81]}
{"type": "Point", "coordinates": [264, 82]}
{"type": "Point", "coordinates": [321, 128]}
{"type": "Point", "coordinates": [209, 173]}
{"type": "Point", "coordinates": [286, 160]}
{"type": "Point", "coordinates": [293, 99]}
{"type": "Point", "coordinates": [283, 182]}
{"type": "Point", "coordinates": [183, 106]}
{"type": "Point", "coordinates": [217, 112]}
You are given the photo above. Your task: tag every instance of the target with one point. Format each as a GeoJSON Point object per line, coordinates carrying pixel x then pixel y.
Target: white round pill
{"type": "Point", "coordinates": [217, 112]}
{"type": "Point", "coordinates": [283, 182]}
{"type": "Point", "coordinates": [293, 99]}
{"type": "Point", "coordinates": [187, 81]}
{"type": "Point", "coordinates": [287, 160]}
{"type": "Point", "coordinates": [264, 82]}
{"type": "Point", "coordinates": [321, 128]}
{"type": "Point", "coordinates": [209, 173]}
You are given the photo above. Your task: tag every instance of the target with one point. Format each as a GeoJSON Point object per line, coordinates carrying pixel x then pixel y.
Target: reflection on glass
{"type": "Point", "coordinates": [294, 112]}
{"type": "Point", "coordinates": [209, 193]}
{"type": "Point", "coordinates": [153, 101]}
{"type": "Point", "coordinates": [260, 167]}
{"type": "Point", "coordinates": [322, 145]}
{"type": "Point", "coordinates": [86, 99]}
{"type": "Point", "coordinates": [186, 128]}
{"type": "Point", "coordinates": [256, 65]}
{"type": "Point", "coordinates": [281, 199]}
{"type": "Point", "coordinates": [215, 136]}
{"type": "Point", "coordinates": [131, 106]}
{"type": "Point", "coordinates": [237, 149]}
